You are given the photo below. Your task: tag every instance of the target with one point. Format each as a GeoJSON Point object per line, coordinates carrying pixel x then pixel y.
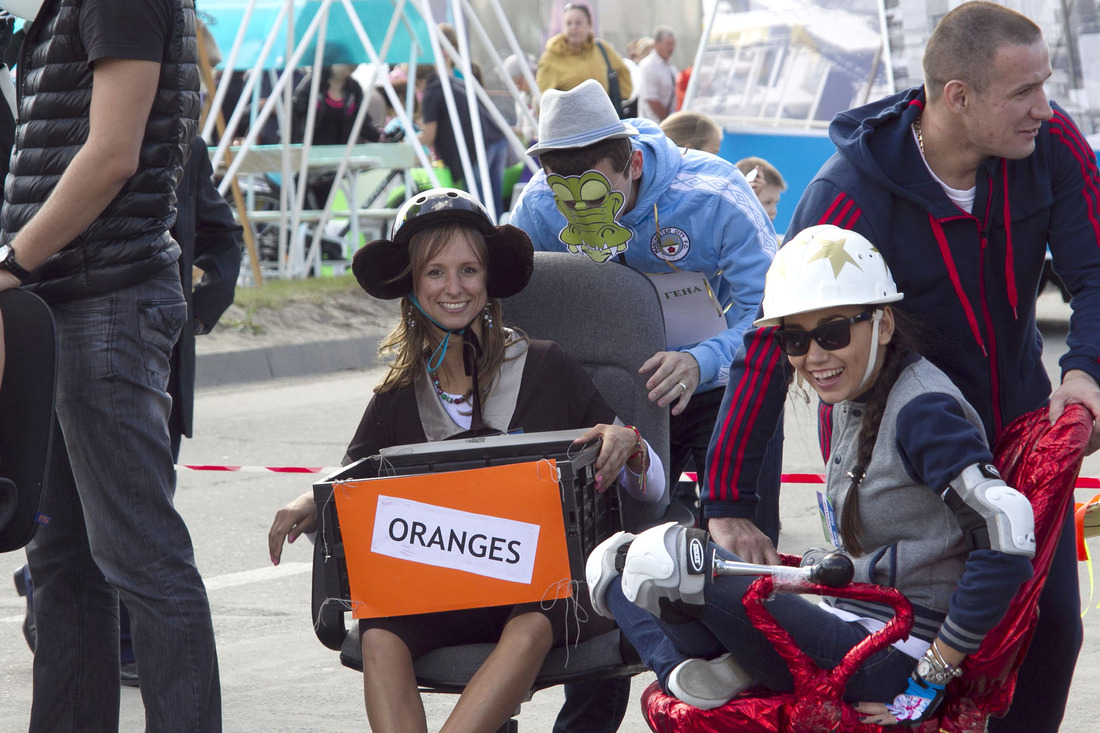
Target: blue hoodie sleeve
{"type": "Point", "coordinates": [533, 214]}
{"type": "Point", "coordinates": [745, 245]}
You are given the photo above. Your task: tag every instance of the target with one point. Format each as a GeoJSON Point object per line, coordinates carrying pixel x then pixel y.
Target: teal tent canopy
{"type": "Point", "coordinates": [342, 44]}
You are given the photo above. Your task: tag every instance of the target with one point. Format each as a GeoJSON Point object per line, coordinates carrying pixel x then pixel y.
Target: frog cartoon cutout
{"type": "Point", "coordinates": [590, 206]}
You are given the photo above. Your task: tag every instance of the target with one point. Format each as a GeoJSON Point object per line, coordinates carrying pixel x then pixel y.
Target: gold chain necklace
{"type": "Point", "coordinates": [920, 136]}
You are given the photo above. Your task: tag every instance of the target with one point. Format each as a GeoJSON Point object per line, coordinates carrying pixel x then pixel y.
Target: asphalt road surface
{"type": "Point", "coordinates": [275, 675]}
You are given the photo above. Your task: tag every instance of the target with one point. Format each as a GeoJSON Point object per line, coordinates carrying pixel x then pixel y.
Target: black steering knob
{"type": "Point", "coordinates": [835, 570]}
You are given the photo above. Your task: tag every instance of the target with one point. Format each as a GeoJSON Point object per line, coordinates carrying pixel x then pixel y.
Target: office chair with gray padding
{"type": "Point", "coordinates": [26, 413]}
{"type": "Point", "coordinates": [609, 318]}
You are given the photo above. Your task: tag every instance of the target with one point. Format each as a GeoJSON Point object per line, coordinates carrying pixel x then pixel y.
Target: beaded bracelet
{"type": "Point", "coordinates": [640, 449]}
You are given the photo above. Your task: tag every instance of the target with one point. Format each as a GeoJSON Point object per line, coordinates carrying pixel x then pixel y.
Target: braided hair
{"type": "Point", "coordinates": [893, 361]}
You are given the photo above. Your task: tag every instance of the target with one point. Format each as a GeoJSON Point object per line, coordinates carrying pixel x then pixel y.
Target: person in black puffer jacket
{"type": "Point", "coordinates": [108, 105]}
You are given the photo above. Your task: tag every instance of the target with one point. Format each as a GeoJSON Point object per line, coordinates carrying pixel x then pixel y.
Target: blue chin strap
{"type": "Point", "coordinates": [471, 350]}
{"type": "Point", "coordinates": [436, 359]}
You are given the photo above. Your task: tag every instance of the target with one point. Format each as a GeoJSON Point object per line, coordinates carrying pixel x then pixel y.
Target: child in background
{"type": "Point", "coordinates": [765, 180]}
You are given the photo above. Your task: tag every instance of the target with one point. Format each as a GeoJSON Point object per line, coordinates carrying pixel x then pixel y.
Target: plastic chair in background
{"type": "Point", "coordinates": [512, 175]}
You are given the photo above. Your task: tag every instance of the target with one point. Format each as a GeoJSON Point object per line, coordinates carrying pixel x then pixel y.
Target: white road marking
{"type": "Point", "coordinates": [258, 575]}
{"type": "Point", "coordinates": [230, 580]}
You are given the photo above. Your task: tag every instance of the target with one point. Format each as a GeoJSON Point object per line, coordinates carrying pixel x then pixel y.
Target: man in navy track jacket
{"type": "Point", "coordinates": [963, 184]}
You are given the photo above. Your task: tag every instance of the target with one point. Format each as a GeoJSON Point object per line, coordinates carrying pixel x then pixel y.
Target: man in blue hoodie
{"type": "Point", "coordinates": [623, 192]}
{"type": "Point", "coordinates": [963, 183]}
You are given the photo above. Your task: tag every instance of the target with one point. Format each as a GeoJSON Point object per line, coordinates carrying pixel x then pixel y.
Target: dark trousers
{"type": "Point", "coordinates": [689, 437]}
{"type": "Point", "coordinates": [594, 707]}
{"type": "Point", "coordinates": [1042, 686]}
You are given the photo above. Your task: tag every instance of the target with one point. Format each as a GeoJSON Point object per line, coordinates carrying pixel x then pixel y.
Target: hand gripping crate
{"type": "Point", "coordinates": [588, 516]}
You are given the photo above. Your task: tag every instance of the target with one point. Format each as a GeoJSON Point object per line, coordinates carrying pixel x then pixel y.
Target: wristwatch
{"type": "Point", "coordinates": [933, 669]}
{"type": "Point", "coordinates": [7, 262]}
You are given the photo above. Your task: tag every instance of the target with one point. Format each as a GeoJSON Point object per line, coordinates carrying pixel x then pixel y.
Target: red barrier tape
{"type": "Point", "coordinates": [1083, 482]}
{"type": "Point", "coordinates": [260, 469]}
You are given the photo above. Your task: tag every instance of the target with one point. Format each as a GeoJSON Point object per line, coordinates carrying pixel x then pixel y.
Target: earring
{"type": "Point", "coordinates": [411, 322]}
{"type": "Point", "coordinates": [488, 318]}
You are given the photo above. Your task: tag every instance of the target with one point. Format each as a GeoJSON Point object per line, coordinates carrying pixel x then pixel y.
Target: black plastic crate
{"type": "Point", "coordinates": [589, 516]}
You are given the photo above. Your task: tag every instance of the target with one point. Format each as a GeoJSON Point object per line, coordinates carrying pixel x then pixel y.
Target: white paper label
{"type": "Point", "coordinates": [692, 314]}
{"type": "Point", "coordinates": [449, 538]}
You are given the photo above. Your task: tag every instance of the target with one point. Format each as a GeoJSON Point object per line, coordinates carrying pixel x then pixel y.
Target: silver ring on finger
{"type": "Point", "coordinates": [683, 387]}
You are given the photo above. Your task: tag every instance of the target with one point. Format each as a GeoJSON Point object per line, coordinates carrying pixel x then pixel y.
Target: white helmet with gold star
{"type": "Point", "coordinates": [824, 267]}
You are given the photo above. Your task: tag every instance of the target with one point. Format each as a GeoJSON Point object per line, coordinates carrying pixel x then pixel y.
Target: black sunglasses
{"type": "Point", "coordinates": [829, 336]}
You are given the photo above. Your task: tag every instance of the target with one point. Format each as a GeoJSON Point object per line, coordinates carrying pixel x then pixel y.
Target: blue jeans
{"type": "Point", "coordinates": [112, 529]}
{"type": "Point", "coordinates": [646, 634]}
{"type": "Point", "coordinates": [725, 627]}
{"type": "Point", "coordinates": [496, 155]}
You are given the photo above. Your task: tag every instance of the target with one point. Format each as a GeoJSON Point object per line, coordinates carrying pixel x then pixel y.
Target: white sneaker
{"type": "Point", "coordinates": [604, 565]}
{"type": "Point", "coordinates": [708, 683]}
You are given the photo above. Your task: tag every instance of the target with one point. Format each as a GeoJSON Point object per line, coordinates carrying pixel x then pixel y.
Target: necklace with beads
{"type": "Point", "coordinates": [443, 395]}
{"type": "Point", "coordinates": [920, 136]}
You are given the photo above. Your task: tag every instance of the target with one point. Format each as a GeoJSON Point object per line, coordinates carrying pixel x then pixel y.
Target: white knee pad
{"type": "Point", "coordinates": [604, 564]}
{"type": "Point", "coordinates": [664, 571]}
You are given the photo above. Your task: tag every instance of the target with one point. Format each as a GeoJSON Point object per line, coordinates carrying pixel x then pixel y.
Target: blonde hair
{"type": "Point", "coordinates": [408, 347]}
{"type": "Point", "coordinates": [693, 130]}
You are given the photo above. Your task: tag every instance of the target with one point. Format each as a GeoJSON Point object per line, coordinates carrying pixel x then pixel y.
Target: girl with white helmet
{"type": "Point", "coordinates": [911, 499]}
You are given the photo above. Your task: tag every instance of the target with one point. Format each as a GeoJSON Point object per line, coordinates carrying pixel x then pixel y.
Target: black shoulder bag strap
{"type": "Point", "coordinates": [612, 82]}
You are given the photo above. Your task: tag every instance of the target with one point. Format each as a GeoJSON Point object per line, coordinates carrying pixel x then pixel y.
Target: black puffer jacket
{"type": "Point", "coordinates": [129, 241]}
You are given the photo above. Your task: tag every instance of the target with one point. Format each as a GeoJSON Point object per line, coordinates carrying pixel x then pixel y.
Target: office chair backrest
{"type": "Point", "coordinates": [608, 317]}
{"type": "Point", "coordinates": [26, 413]}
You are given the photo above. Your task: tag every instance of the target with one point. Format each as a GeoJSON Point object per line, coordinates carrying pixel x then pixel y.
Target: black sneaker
{"type": "Point", "coordinates": [128, 674]}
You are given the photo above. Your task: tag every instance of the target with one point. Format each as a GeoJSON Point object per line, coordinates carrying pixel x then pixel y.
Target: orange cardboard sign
{"type": "Point", "coordinates": [461, 539]}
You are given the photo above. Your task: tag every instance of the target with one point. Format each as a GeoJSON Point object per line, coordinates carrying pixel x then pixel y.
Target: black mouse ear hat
{"type": "Point", "coordinates": [381, 266]}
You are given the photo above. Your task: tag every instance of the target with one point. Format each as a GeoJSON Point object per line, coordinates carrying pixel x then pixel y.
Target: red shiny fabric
{"type": "Point", "coordinates": [1038, 459]}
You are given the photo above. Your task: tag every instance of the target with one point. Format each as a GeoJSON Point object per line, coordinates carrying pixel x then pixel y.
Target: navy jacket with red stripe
{"type": "Point", "coordinates": [970, 279]}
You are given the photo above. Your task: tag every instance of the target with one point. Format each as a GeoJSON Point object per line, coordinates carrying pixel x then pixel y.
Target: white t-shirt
{"type": "Point", "coordinates": [963, 199]}
{"type": "Point", "coordinates": [659, 83]}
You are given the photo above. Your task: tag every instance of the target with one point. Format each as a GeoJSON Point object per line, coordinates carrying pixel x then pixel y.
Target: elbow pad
{"type": "Point", "coordinates": [992, 515]}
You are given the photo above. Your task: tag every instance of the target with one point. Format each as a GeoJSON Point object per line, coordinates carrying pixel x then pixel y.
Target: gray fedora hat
{"type": "Point", "coordinates": [578, 118]}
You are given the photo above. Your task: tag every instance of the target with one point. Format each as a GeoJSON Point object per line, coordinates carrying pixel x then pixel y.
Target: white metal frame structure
{"type": "Point", "coordinates": [405, 14]}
